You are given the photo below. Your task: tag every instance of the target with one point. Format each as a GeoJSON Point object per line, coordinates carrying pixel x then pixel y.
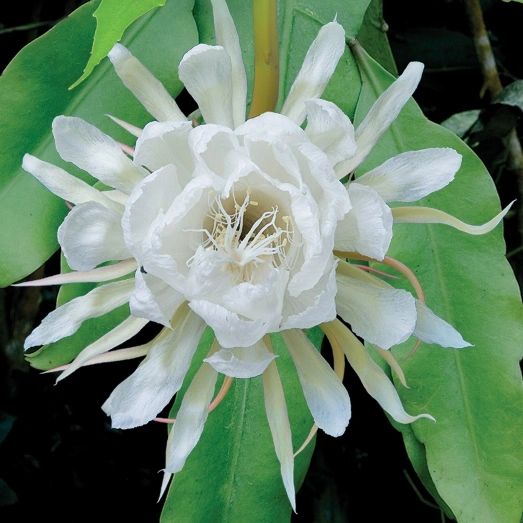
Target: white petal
{"type": "Point", "coordinates": [68, 187]}
{"type": "Point", "coordinates": [107, 273]}
{"type": "Point", "coordinates": [314, 306]}
{"type": "Point", "coordinates": [129, 127]}
{"type": "Point", "coordinates": [139, 398]}
{"type": "Point", "coordinates": [367, 227]}
{"type": "Point", "coordinates": [428, 215]}
{"type": "Point", "coordinates": [278, 419]}
{"type": "Point", "coordinates": [242, 362]}
{"type": "Point", "coordinates": [162, 143]}
{"type": "Point", "coordinates": [227, 37]}
{"type": "Point", "coordinates": [384, 111]}
{"type": "Point", "coordinates": [432, 329]}
{"type": "Point", "coordinates": [330, 129]}
{"type": "Point", "coordinates": [375, 381]}
{"type": "Point", "coordinates": [413, 175]}
{"type": "Point", "coordinates": [153, 299]}
{"type": "Point", "coordinates": [120, 334]}
{"type": "Point", "coordinates": [89, 149]}
{"type": "Point", "coordinates": [327, 398]}
{"type": "Point", "coordinates": [149, 90]}
{"type": "Point", "coordinates": [190, 419]}
{"type": "Point", "coordinates": [230, 328]}
{"type": "Point", "coordinates": [66, 320]}
{"type": "Point", "coordinates": [376, 311]}
{"type": "Point", "coordinates": [318, 67]}
{"type": "Point", "coordinates": [153, 196]}
{"type": "Point", "coordinates": [90, 235]}
{"type": "Point", "coordinates": [206, 73]}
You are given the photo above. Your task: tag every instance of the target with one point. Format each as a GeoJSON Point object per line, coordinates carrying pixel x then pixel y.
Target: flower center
{"type": "Point", "coordinates": [246, 236]}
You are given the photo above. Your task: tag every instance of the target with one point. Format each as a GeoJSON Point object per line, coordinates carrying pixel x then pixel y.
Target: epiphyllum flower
{"type": "Point", "coordinates": [234, 224]}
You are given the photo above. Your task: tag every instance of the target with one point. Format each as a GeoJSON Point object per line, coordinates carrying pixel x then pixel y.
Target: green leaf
{"type": "Point", "coordinates": [461, 123]}
{"type": "Point", "coordinates": [34, 89]}
{"type": "Point", "coordinates": [233, 474]}
{"type": "Point", "coordinates": [112, 19]}
{"type": "Point", "coordinates": [473, 451]}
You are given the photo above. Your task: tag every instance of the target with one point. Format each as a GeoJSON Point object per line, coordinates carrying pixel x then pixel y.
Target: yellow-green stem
{"type": "Point", "coordinates": [266, 57]}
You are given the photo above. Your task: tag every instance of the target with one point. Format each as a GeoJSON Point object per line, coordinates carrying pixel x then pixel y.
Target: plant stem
{"type": "Point", "coordinates": [494, 86]}
{"type": "Point", "coordinates": [266, 57]}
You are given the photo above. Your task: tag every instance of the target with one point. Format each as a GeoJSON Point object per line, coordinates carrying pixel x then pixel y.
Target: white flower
{"type": "Point", "coordinates": [235, 224]}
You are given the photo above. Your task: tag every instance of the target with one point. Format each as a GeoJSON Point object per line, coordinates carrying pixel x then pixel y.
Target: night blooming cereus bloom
{"type": "Point", "coordinates": [243, 226]}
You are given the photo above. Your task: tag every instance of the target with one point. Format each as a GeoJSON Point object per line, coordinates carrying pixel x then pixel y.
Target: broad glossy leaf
{"type": "Point", "coordinates": [34, 89]}
{"type": "Point", "coordinates": [113, 17]}
{"type": "Point", "coordinates": [233, 475]}
{"type": "Point", "coordinates": [473, 452]}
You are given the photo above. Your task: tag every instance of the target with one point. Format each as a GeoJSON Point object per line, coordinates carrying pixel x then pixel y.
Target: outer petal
{"type": "Point", "coordinates": [163, 143]}
{"type": "Point", "coordinates": [376, 311]}
{"type": "Point", "coordinates": [91, 234]}
{"type": "Point", "coordinates": [367, 227]}
{"type": "Point", "coordinates": [120, 334]}
{"type": "Point", "coordinates": [140, 398]}
{"type": "Point", "coordinates": [89, 149]}
{"type": "Point", "coordinates": [278, 419]}
{"type": "Point", "coordinates": [318, 67]}
{"type": "Point", "coordinates": [242, 362]}
{"type": "Point", "coordinates": [150, 91]}
{"type": "Point", "coordinates": [190, 419]}
{"type": "Point", "coordinates": [329, 128]}
{"type": "Point", "coordinates": [153, 299]}
{"type": "Point", "coordinates": [66, 320]}
{"type": "Point", "coordinates": [312, 307]}
{"type": "Point", "coordinates": [327, 398]}
{"type": "Point", "coordinates": [227, 36]}
{"type": "Point", "coordinates": [68, 187]}
{"type": "Point", "coordinates": [413, 175]}
{"type": "Point", "coordinates": [375, 381]}
{"type": "Point", "coordinates": [206, 72]}
{"type": "Point", "coordinates": [230, 328]}
{"type": "Point", "coordinates": [382, 114]}
{"type": "Point", "coordinates": [432, 329]}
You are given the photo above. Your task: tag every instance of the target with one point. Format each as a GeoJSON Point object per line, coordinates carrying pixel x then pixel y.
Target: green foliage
{"type": "Point", "coordinates": [34, 89]}
{"type": "Point", "coordinates": [472, 452]}
{"type": "Point", "coordinates": [113, 18]}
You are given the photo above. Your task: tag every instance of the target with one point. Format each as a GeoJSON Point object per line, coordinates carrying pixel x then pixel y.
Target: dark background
{"type": "Point", "coordinates": [60, 460]}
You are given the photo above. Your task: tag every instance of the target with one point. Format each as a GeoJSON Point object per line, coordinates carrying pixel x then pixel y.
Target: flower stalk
{"type": "Point", "coordinates": [266, 57]}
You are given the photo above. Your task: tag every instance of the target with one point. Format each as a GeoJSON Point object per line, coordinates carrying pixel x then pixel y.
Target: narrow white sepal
{"type": "Point", "coordinates": [429, 215]}
{"type": "Point", "coordinates": [129, 127]}
{"type": "Point", "coordinates": [317, 68]}
{"type": "Point", "coordinates": [91, 150]}
{"type": "Point", "coordinates": [64, 185]}
{"type": "Point", "coordinates": [140, 397]}
{"type": "Point", "coordinates": [276, 409]}
{"type": "Point", "coordinates": [383, 112]}
{"type": "Point", "coordinates": [120, 334]}
{"type": "Point", "coordinates": [327, 398]}
{"type": "Point", "coordinates": [375, 381]}
{"type": "Point", "coordinates": [227, 37]}
{"type": "Point", "coordinates": [190, 419]}
{"type": "Point", "coordinates": [144, 85]}
{"type": "Point", "coordinates": [66, 320]}
{"type": "Point", "coordinates": [107, 273]}
{"type": "Point", "coordinates": [206, 72]}
{"type": "Point", "coordinates": [430, 328]}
